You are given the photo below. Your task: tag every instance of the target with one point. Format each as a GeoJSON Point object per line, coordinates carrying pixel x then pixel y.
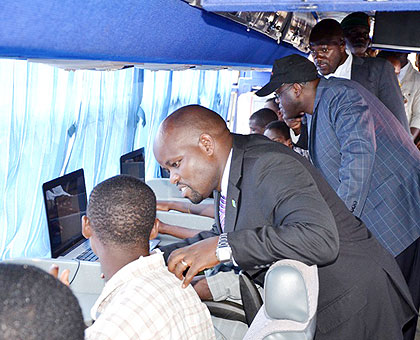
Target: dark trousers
{"type": "Point", "coordinates": [409, 263]}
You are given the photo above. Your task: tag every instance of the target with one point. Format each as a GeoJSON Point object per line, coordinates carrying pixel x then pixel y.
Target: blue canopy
{"type": "Point", "coordinates": [144, 31]}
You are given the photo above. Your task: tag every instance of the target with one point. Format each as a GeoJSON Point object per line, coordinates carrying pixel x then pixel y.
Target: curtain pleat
{"type": "Point", "coordinates": [53, 122]}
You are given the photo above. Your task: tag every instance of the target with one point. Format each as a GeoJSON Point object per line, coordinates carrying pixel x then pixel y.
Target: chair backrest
{"type": "Point", "coordinates": [163, 188]}
{"type": "Point", "coordinates": [251, 297]}
{"type": "Point", "coordinates": [290, 303]}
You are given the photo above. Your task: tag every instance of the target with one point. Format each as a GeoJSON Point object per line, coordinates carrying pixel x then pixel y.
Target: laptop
{"type": "Point", "coordinates": [65, 203]}
{"type": "Point", "coordinates": [132, 163]}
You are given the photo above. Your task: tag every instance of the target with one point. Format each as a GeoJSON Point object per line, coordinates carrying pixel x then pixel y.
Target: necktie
{"type": "Point", "coordinates": [222, 206]}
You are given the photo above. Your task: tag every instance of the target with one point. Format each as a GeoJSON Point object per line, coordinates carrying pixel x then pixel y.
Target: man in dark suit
{"type": "Point", "coordinates": [356, 28]}
{"type": "Point", "coordinates": [362, 152]}
{"type": "Point", "coordinates": [328, 48]}
{"type": "Point", "coordinates": [278, 206]}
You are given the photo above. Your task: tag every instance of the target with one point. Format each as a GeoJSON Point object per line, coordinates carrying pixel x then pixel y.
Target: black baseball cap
{"type": "Point", "coordinates": [355, 19]}
{"type": "Point", "coordinates": [288, 70]}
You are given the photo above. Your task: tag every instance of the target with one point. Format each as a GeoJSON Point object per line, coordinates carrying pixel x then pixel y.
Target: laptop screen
{"type": "Point", "coordinates": [132, 163]}
{"type": "Point", "coordinates": [65, 202]}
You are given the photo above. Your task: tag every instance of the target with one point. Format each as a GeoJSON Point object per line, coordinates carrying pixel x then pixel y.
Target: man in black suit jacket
{"type": "Point", "coordinates": [328, 49]}
{"type": "Point", "coordinates": [278, 206]}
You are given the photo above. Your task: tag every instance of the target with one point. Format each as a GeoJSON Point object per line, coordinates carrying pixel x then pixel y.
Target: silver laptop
{"type": "Point", "coordinates": [65, 203]}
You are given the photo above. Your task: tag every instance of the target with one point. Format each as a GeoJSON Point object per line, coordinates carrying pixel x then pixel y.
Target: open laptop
{"type": "Point", "coordinates": [132, 163]}
{"type": "Point", "coordinates": [65, 203]}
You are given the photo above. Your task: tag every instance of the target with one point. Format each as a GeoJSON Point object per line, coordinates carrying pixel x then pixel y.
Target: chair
{"type": "Point", "coordinates": [290, 303]}
{"type": "Point", "coordinates": [251, 297]}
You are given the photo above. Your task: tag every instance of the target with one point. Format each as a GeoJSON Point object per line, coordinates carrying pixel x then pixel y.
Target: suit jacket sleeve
{"type": "Point", "coordinates": [390, 93]}
{"type": "Point", "coordinates": [302, 226]}
{"type": "Point", "coordinates": [355, 131]}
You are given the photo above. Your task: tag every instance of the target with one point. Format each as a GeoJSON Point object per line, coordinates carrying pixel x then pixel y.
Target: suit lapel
{"type": "Point", "coordinates": [312, 119]}
{"type": "Point", "coordinates": [359, 71]}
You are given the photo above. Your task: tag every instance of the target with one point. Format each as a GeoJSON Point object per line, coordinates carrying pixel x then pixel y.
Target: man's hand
{"type": "Point", "coordinates": [196, 257]}
{"type": "Point", "coordinates": [201, 286]}
{"type": "Point", "coordinates": [294, 124]}
{"type": "Point", "coordinates": [64, 277]}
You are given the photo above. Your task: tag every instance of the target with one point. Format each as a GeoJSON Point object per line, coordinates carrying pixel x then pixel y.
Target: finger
{"type": "Point", "coordinates": [191, 273]}
{"type": "Point", "coordinates": [180, 269]}
{"type": "Point", "coordinates": [175, 257]}
{"type": "Point", "coordinates": [64, 277]}
{"type": "Point", "coordinates": [54, 270]}
{"type": "Point", "coordinates": [177, 265]}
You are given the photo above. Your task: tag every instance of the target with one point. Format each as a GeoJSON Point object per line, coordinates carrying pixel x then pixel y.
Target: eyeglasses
{"type": "Point", "coordinates": [277, 95]}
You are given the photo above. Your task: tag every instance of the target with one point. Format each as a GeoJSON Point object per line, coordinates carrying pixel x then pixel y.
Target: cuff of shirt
{"type": "Point", "coordinates": [223, 285]}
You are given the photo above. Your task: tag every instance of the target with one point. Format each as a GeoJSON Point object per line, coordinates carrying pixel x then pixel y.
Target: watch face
{"type": "Point", "coordinates": [224, 254]}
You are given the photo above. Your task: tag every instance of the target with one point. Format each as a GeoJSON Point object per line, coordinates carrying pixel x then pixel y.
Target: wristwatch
{"type": "Point", "coordinates": [223, 250]}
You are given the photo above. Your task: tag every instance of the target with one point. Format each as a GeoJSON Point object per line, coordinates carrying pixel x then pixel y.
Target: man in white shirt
{"type": "Point", "coordinates": [328, 48]}
{"type": "Point", "coordinates": [409, 79]}
{"type": "Point", "coordinates": [141, 299]}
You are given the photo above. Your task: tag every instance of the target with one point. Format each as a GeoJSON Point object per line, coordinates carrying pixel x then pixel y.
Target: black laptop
{"type": "Point", "coordinates": [65, 202]}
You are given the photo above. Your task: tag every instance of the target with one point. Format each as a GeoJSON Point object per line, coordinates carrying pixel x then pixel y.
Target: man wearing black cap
{"type": "Point", "coordinates": [362, 152]}
{"type": "Point", "coordinates": [356, 30]}
{"type": "Point", "coordinates": [328, 48]}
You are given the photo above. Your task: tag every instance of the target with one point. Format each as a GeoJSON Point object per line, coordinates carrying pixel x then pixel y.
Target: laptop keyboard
{"type": "Point", "coordinates": [87, 255]}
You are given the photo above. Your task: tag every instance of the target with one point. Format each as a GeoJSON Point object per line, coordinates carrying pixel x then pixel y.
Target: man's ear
{"type": "Point", "coordinates": [206, 143]}
{"type": "Point", "coordinates": [297, 89]}
{"type": "Point", "coordinates": [86, 228]}
{"type": "Point", "coordinates": [155, 230]}
{"type": "Point", "coordinates": [342, 45]}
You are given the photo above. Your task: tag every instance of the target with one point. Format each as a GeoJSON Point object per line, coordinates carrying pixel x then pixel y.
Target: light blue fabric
{"type": "Point", "coordinates": [53, 122]}
{"type": "Point", "coordinates": [166, 91]}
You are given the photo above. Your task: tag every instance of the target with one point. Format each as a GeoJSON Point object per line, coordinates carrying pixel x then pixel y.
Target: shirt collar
{"type": "Point", "coordinates": [225, 177]}
{"type": "Point", "coordinates": [128, 272]}
{"type": "Point", "coordinates": [403, 72]}
{"type": "Point", "coordinates": [344, 70]}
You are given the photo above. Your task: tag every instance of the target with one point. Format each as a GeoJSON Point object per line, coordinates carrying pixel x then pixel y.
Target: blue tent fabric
{"type": "Point", "coordinates": [158, 31]}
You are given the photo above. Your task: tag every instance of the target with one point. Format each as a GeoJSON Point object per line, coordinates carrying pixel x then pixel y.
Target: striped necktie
{"type": "Point", "coordinates": [222, 206]}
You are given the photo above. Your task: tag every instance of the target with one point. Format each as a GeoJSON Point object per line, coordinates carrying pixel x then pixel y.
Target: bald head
{"type": "Point", "coordinates": [192, 121]}
{"type": "Point", "coordinates": [193, 143]}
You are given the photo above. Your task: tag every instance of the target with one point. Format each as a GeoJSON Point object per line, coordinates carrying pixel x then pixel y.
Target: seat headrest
{"type": "Point", "coordinates": [289, 291]}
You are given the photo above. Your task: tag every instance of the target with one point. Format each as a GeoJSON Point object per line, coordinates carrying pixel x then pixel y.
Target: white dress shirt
{"type": "Point", "coordinates": [225, 176]}
{"type": "Point", "coordinates": [410, 87]}
{"type": "Point", "coordinates": [344, 70]}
